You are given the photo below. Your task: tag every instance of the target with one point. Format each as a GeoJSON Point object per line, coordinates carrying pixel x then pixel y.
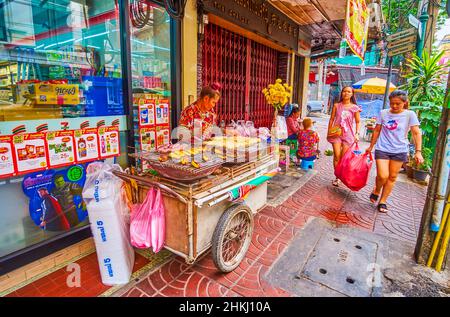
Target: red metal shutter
{"type": "Point", "coordinates": [244, 68]}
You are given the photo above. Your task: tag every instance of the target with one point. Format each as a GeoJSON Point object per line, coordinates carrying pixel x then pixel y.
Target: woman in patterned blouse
{"type": "Point", "coordinates": [308, 142]}
{"type": "Point", "coordinates": [201, 113]}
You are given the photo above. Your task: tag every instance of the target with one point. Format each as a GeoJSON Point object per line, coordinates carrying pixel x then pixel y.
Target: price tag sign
{"type": "Point", "coordinates": [30, 152]}
{"type": "Point", "coordinates": [60, 148]}
{"type": "Point", "coordinates": [86, 145]}
{"type": "Point", "coordinates": [109, 142]}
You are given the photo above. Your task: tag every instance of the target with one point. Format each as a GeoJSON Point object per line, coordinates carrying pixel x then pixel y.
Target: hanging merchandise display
{"type": "Point", "coordinates": [356, 27]}
{"type": "Point", "coordinates": [60, 148]}
{"type": "Point", "coordinates": [109, 141]}
{"type": "Point", "coordinates": [55, 198]}
{"type": "Point", "coordinates": [29, 150]}
{"type": "Point", "coordinates": [7, 167]}
{"type": "Point", "coordinates": [86, 145]}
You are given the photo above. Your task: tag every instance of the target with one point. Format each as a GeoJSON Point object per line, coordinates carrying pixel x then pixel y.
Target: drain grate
{"type": "Point", "coordinates": [342, 263]}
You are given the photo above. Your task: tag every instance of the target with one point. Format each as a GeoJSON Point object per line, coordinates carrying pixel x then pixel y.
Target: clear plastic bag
{"type": "Point", "coordinates": [108, 214]}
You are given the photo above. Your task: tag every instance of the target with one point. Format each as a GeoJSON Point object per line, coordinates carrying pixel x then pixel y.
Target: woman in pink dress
{"type": "Point", "coordinates": [345, 115]}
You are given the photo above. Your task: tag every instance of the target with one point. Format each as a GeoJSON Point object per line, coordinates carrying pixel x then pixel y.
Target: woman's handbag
{"type": "Point", "coordinates": [334, 132]}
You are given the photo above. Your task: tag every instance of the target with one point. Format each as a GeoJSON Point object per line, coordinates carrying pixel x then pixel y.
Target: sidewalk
{"type": "Point", "coordinates": [309, 197]}
{"type": "Point", "coordinates": [276, 227]}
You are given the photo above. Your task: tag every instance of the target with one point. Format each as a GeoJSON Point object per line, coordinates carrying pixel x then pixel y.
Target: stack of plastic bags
{"type": "Point", "coordinates": [108, 215]}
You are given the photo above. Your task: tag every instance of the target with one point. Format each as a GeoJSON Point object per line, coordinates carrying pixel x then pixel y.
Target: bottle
{"type": "Point", "coordinates": [108, 144]}
{"type": "Point", "coordinates": [82, 151]}
{"type": "Point", "coordinates": [102, 144]}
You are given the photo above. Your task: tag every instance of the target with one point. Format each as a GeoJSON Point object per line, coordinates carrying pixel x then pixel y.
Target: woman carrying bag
{"type": "Point", "coordinates": [344, 125]}
{"type": "Point", "coordinates": [392, 145]}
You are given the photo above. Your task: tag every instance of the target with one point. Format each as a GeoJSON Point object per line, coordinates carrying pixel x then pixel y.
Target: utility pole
{"type": "Point", "coordinates": [433, 14]}
{"type": "Point", "coordinates": [423, 18]}
{"type": "Point", "coordinates": [436, 193]}
{"type": "Point", "coordinates": [388, 84]}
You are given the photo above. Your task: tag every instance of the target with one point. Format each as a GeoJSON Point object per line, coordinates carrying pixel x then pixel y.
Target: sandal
{"type": "Point", "coordinates": [382, 208]}
{"type": "Point", "coordinates": [335, 183]}
{"type": "Point", "coordinates": [374, 198]}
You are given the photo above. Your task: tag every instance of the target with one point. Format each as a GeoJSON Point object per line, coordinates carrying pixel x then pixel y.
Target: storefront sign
{"type": "Point", "coordinates": [162, 112]}
{"type": "Point", "coordinates": [147, 113]}
{"type": "Point", "coordinates": [109, 142]}
{"type": "Point", "coordinates": [86, 145]}
{"type": "Point", "coordinates": [7, 167]}
{"type": "Point", "coordinates": [29, 152]}
{"type": "Point", "coordinates": [60, 148]}
{"type": "Point", "coordinates": [56, 94]}
{"type": "Point", "coordinates": [258, 16]}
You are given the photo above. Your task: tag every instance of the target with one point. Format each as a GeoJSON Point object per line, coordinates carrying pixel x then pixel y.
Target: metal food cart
{"type": "Point", "coordinates": [200, 215]}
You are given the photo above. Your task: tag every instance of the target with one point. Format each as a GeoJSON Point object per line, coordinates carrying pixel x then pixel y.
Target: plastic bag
{"type": "Point", "coordinates": [140, 228]}
{"type": "Point", "coordinates": [354, 169]}
{"type": "Point", "coordinates": [281, 129]}
{"type": "Point", "coordinates": [108, 215]}
{"type": "Point", "coordinates": [158, 223]}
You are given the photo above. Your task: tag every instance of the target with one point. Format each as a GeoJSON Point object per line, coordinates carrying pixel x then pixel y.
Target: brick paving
{"type": "Point", "coordinates": [275, 227]}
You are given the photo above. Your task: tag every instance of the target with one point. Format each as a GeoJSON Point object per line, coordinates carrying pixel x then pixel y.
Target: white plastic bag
{"type": "Point", "coordinates": [281, 129]}
{"type": "Point", "coordinates": [108, 215]}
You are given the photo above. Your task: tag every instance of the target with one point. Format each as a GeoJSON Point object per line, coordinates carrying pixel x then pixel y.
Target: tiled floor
{"type": "Point", "coordinates": [55, 284]}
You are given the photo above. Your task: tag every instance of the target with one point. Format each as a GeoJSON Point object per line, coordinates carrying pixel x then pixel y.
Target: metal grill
{"type": "Point", "coordinates": [244, 68]}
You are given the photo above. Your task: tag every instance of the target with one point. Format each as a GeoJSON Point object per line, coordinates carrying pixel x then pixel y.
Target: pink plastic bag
{"type": "Point", "coordinates": [140, 226]}
{"type": "Point", "coordinates": [158, 223]}
{"type": "Point", "coordinates": [354, 169]}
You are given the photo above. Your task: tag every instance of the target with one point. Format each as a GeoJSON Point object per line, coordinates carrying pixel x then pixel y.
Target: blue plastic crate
{"type": "Point", "coordinates": [103, 96]}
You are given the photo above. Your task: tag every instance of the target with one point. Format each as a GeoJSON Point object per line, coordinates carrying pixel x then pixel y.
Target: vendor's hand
{"type": "Point", "coordinates": [418, 158]}
{"type": "Point", "coordinates": [43, 223]}
{"type": "Point", "coordinates": [357, 136]}
{"type": "Point", "coordinates": [369, 150]}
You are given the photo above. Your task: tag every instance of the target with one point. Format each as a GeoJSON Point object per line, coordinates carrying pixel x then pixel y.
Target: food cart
{"type": "Point", "coordinates": [201, 213]}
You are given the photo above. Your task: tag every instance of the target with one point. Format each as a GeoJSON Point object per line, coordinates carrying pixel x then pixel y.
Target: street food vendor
{"type": "Point", "coordinates": [201, 112]}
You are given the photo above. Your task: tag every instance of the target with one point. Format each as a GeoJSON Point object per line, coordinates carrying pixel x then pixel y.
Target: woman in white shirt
{"type": "Point", "coordinates": [391, 149]}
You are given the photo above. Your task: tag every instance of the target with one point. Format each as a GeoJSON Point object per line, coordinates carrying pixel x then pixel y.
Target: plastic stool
{"type": "Point", "coordinates": [305, 165]}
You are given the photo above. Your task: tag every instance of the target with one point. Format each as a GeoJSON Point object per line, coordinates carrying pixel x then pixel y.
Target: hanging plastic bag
{"type": "Point", "coordinates": [353, 169]}
{"type": "Point", "coordinates": [158, 223]}
{"type": "Point", "coordinates": [108, 216]}
{"type": "Point", "coordinates": [281, 129]}
{"type": "Point", "coordinates": [141, 217]}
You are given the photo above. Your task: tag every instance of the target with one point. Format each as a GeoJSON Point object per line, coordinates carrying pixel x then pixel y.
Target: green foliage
{"type": "Point", "coordinates": [329, 152]}
{"type": "Point", "coordinates": [426, 92]}
{"type": "Point", "coordinates": [400, 9]}
{"type": "Point", "coordinates": [427, 154]}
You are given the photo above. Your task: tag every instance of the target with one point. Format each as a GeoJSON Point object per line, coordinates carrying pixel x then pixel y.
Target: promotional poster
{"type": "Point", "coordinates": [56, 202]}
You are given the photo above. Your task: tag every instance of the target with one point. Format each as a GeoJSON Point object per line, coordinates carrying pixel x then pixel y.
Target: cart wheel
{"type": "Point", "coordinates": [232, 237]}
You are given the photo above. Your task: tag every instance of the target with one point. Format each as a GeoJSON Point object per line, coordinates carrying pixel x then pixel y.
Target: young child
{"type": "Point", "coordinates": [308, 142]}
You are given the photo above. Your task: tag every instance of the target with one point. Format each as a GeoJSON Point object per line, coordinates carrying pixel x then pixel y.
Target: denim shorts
{"type": "Point", "coordinates": [400, 157]}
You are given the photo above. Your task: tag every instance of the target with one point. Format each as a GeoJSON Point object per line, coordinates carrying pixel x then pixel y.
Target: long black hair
{"type": "Point", "coordinates": [352, 98]}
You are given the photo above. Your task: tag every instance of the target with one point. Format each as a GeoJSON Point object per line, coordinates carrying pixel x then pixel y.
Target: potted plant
{"type": "Point", "coordinates": [420, 172]}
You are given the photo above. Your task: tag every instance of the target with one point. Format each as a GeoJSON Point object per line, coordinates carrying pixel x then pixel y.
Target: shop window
{"type": "Point", "coordinates": [60, 69]}
{"type": "Point", "coordinates": [151, 73]}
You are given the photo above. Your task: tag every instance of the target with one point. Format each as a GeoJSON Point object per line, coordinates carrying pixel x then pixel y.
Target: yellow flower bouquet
{"type": "Point", "coordinates": [277, 94]}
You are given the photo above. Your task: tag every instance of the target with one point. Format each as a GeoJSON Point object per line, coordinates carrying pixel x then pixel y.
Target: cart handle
{"type": "Point", "coordinates": [151, 183]}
